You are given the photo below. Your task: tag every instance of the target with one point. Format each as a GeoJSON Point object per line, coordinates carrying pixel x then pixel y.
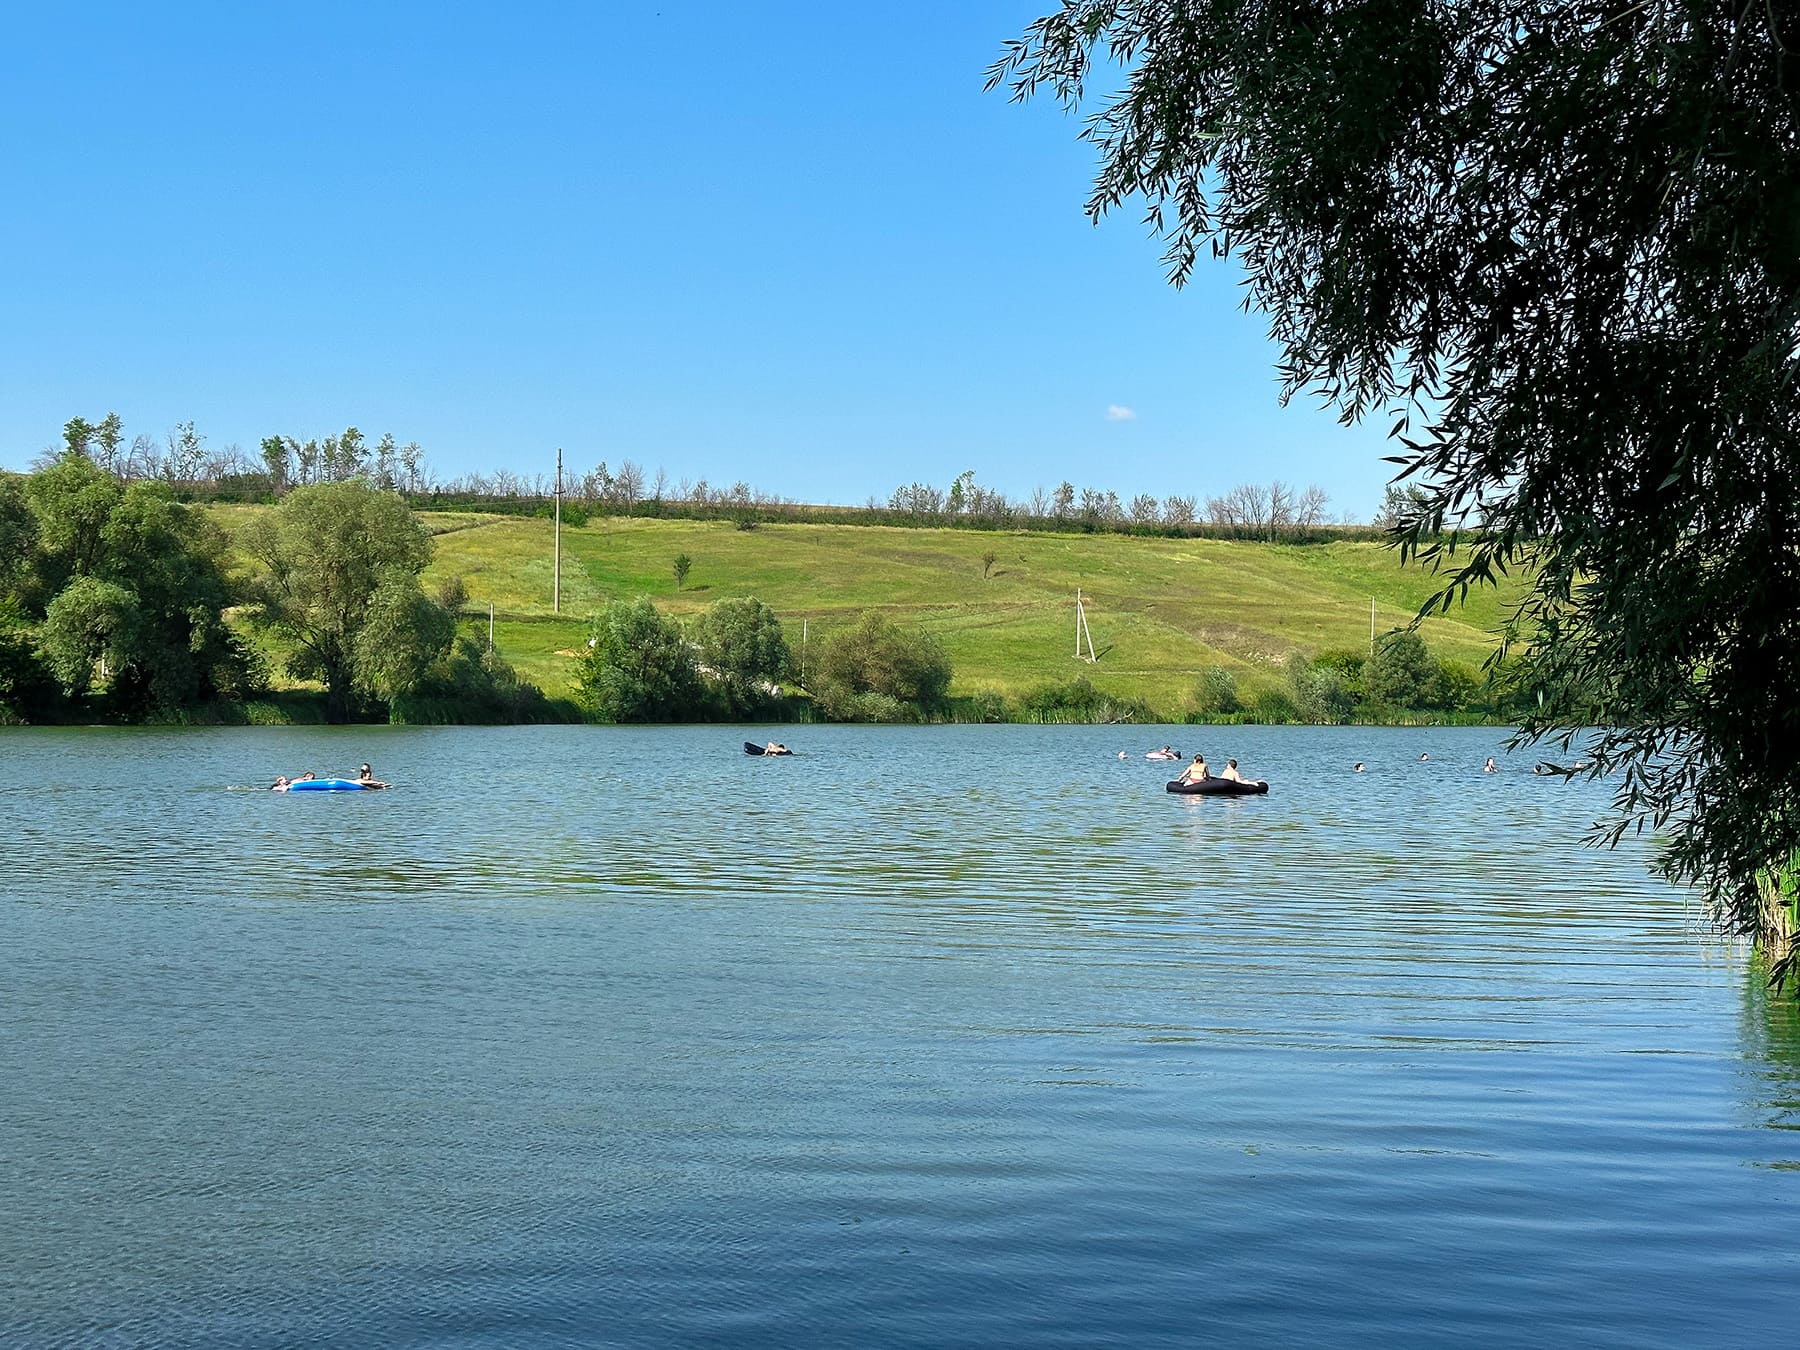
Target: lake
{"type": "Point", "coordinates": [958, 1036]}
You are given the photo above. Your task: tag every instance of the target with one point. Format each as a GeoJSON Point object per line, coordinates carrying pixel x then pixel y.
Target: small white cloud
{"type": "Point", "coordinates": [1118, 412]}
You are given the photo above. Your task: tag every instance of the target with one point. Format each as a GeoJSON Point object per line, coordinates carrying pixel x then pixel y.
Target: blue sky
{"type": "Point", "coordinates": [791, 244]}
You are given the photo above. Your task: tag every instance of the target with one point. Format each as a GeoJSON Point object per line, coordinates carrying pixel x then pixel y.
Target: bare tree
{"type": "Point", "coordinates": [628, 485]}
{"type": "Point", "coordinates": [1062, 504]}
{"type": "Point", "coordinates": [1281, 507]}
{"type": "Point", "coordinates": [1040, 502]}
{"type": "Point", "coordinates": [1253, 505]}
{"type": "Point", "coordinates": [659, 485]}
{"type": "Point", "coordinates": [1145, 509]}
{"type": "Point", "coordinates": [1312, 508]}
{"type": "Point", "coordinates": [1179, 510]}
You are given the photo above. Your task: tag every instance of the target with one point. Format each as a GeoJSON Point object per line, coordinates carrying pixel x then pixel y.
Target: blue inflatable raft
{"type": "Point", "coordinates": [326, 785]}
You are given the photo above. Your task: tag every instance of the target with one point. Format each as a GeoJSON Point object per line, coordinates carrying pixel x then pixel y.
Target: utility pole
{"type": "Point", "coordinates": [1371, 625]}
{"type": "Point", "coordinates": [490, 625]}
{"type": "Point", "coordinates": [556, 585]}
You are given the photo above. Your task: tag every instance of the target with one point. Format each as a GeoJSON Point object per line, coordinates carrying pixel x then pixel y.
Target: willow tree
{"type": "Point", "coordinates": [1558, 242]}
{"type": "Point", "coordinates": [339, 580]}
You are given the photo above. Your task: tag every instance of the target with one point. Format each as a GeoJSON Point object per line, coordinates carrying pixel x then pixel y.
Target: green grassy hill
{"type": "Point", "coordinates": [1158, 608]}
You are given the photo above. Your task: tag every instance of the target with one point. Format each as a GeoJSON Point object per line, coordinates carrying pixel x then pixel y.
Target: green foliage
{"type": "Point", "coordinates": [403, 634]}
{"type": "Point", "coordinates": [638, 667]}
{"type": "Point", "coordinates": [1456, 687]}
{"type": "Point", "coordinates": [71, 501]}
{"type": "Point", "coordinates": [328, 550]}
{"type": "Point", "coordinates": [683, 565]}
{"type": "Point", "coordinates": [1401, 673]}
{"type": "Point", "coordinates": [1323, 694]}
{"type": "Point", "coordinates": [18, 541]}
{"type": "Point", "coordinates": [878, 671]}
{"type": "Point", "coordinates": [1077, 700]}
{"type": "Point", "coordinates": [986, 705]}
{"type": "Point", "coordinates": [128, 576]}
{"type": "Point", "coordinates": [453, 593]}
{"type": "Point", "coordinates": [1215, 693]}
{"type": "Point", "coordinates": [90, 619]}
{"type": "Point", "coordinates": [1560, 239]}
{"type": "Point", "coordinates": [742, 647]}
{"type": "Point", "coordinates": [472, 684]}
{"type": "Point", "coordinates": [26, 687]}
{"type": "Point", "coordinates": [1274, 706]}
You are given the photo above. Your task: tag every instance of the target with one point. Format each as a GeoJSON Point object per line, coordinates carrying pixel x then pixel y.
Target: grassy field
{"type": "Point", "coordinates": [1158, 608]}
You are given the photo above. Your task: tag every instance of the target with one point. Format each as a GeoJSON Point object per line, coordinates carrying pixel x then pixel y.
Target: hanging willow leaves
{"type": "Point", "coordinates": [1558, 243]}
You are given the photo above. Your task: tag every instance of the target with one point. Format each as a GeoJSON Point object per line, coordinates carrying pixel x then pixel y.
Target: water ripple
{"type": "Point", "coordinates": [925, 1037]}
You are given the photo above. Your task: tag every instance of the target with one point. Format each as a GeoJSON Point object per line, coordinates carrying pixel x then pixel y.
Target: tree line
{"type": "Point", "coordinates": [195, 472]}
{"type": "Point", "coordinates": [735, 662]}
{"type": "Point", "coordinates": [114, 598]}
{"type": "Point", "coordinates": [1277, 510]}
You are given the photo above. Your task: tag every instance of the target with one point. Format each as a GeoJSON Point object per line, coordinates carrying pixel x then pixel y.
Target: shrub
{"type": "Point", "coordinates": [1401, 672]}
{"type": "Point", "coordinates": [1077, 700]}
{"type": "Point", "coordinates": [904, 667]}
{"type": "Point", "coordinates": [638, 667]}
{"type": "Point", "coordinates": [1322, 694]}
{"type": "Point", "coordinates": [1273, 706]}
{"type": "Point", "coordinates": [472, 683]}
{"type": "Point", "coordinates": [453, 594]}
{"type": "Point", "coordinates": [1216, 693]}
{"type": "Point", "coordinates": [987, 705]}
{"type": "Point", "coordinates": [744, 653]}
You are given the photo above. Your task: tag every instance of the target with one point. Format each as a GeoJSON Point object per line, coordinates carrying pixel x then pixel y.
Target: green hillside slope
{"type": "Point", "coordinates": [1158, 608]}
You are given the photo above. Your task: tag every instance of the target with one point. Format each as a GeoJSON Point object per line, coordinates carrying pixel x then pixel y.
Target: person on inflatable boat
{"type": "Point", "coordinates": [1231, 771]}
{"type": "Point", "coordinates": [1195, 772]}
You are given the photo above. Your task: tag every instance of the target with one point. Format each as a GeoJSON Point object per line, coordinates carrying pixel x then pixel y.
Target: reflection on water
{"type": "Point", "coordinates": [1771, 1050]}
{"type": "Point", "coordinates": [954, 1036]}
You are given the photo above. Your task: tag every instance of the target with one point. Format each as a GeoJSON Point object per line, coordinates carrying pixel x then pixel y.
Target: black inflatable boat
{"type": "Point", "coordinates": [1218, 787]}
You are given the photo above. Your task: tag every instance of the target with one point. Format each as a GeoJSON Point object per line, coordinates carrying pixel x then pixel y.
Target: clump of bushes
{"type": "Point", "coordinates": [1077, 700]}
{"type": "Point", "coordinates": [878, 671]}
{"type": "Point", "coordinates": [1215, 695]}
{"type": "Point", "coordinates": [472, 683]}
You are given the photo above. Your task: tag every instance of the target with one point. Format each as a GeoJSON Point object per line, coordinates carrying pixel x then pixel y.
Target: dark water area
{"type": "Point", "coordinates": [954, 1036]}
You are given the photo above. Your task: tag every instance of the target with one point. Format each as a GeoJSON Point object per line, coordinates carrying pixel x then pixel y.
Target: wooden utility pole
{"type": "Point", "coordinates": [556, 585]}
{"type": "Point", "coordinates": [1081, 631]}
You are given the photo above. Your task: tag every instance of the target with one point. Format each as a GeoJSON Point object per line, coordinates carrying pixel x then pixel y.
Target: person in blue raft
{"type": "Point", "coordinates": [365, 781]}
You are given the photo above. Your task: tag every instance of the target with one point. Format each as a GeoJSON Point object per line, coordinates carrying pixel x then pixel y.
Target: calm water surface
{"type": "Point", "coordinates": [927, 1037]}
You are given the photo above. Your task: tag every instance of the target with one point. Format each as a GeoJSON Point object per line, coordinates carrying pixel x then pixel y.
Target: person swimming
{"type": "Point", "coordinates": [1357, 767]}
{"type": "Point", "coordinates": [1490, 767]}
